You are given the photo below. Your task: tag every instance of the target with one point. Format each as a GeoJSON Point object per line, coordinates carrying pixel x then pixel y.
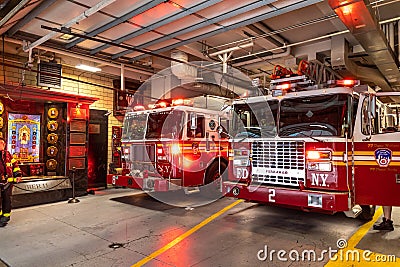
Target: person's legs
{"type": "Point", "coordinates": [2, 195]}
{"type": "Point", "coordinates": [387, 223]}
{"type": "Point", "coordinates": [387, 212]}
{"type": "Point", "coordinates": [6, 203]}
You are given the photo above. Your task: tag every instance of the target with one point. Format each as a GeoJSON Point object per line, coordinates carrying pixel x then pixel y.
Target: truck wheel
{"type": "Point", "coordinates": [367, 213]}
{"type": "Point", "coordinates": [212, 180]}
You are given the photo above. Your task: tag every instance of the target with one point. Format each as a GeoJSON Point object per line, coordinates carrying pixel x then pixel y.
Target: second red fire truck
{"type": "Point", "coordinates": [318, 148]}
{"type": "Point", "coordinates": [174, 144]}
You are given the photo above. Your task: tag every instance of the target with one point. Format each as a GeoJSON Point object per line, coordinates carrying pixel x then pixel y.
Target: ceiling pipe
{"type": "Point", "coordinates": [73, 55]}
{"type": "Point", "coordinates": [262, 58]}
{"type": "Point", "coordinates": [231, 49]}
{"type": "Point", "coordinates": [82, 16]}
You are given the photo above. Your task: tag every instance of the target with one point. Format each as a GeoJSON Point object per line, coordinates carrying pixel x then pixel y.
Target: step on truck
{"type": "Point", "coordinates": [327, 148]}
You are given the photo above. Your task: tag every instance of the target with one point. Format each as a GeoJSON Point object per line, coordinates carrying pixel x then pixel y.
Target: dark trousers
{"type": "Point", "coordinates": [6, 191]}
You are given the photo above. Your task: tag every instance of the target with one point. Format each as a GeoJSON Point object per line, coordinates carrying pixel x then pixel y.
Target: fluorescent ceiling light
{"type": "Point", "coordinates": [87, 68]}
{"type": "Point", "coordinates": [66, 37]}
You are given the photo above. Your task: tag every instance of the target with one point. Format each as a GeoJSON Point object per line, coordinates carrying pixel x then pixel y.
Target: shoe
{"type": "Point", "coordinates": [4, 219]}
{"type": "Point", "coordinates": [2, 224]}
{"type": "Point", "coordinates": [386, 225]}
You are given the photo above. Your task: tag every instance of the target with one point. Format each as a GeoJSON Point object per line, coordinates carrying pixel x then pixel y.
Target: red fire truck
{"type": "Point", "coordinates": [174, 144]}
{"type": "Point", "coordinates": [319, 148]}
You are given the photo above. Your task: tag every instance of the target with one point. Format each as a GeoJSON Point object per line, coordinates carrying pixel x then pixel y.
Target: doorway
{"type": "Point", "coordinates": [98, 149]}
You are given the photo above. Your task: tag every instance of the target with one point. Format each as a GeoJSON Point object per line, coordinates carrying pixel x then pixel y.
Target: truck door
{"type": "Point", "coordinates": [377, 152]}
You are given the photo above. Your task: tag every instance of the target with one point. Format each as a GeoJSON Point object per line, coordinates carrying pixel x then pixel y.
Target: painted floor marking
{"type": "Point", "coordinates": [376, 259]}
{"type": "Point", "coordinates": [186, 234]}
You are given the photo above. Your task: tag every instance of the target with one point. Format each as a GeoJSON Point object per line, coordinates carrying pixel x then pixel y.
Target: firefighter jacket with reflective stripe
{"type": "Point", "coordinates": [10, 166]}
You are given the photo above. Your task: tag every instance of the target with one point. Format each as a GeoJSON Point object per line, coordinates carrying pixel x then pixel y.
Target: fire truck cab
{"type": "Point", "coordinates": [174, 144]}
{"type": "Point", "coordinates": [319, 148]}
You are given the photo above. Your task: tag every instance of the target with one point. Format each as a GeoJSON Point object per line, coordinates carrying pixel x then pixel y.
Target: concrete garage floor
{"type": "Point", "coordinates": [152, 233]}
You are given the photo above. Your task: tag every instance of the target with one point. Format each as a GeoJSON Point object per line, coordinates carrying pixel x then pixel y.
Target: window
{"type": "Point", "coordinates": [196, 125]}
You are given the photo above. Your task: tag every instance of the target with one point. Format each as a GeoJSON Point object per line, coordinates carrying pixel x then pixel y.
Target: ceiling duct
{"type": "Point", "coordinates": [181, 70]}
{"type": "Point", "coordinates": [359, 19]}
{"type": "Point", "coordinates": [343, 65]}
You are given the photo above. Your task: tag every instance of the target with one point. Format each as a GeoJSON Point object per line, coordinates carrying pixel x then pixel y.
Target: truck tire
{"type": "Point", "coordinates": [212, 182]}
{"type": "Point", "coordinates": [367, 213]}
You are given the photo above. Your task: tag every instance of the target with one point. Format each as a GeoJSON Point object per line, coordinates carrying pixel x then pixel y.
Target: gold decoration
{"type": "Point", "coordinates": [52, 125]}
{"type": "Point", "coordinates": [52, 113]}
{"type": "Point", "coordinates": [24, 135]}
{"type": "Point", "coordinates": [1, 122]}
{"type": "Point", "coordinates": [52, 151]}
{"type": "Point", "coordinates": [52, 138]}
{"type": "Point", "coordinates": [51, 164]}
{"type": "Point", "coordinates": [1, 108]}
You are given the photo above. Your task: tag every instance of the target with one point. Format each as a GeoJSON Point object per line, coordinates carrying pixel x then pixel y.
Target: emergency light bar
{"type": "Point", "coordinates": [346, 82]}
{"type": "Point", "coordinates": [182, 102]}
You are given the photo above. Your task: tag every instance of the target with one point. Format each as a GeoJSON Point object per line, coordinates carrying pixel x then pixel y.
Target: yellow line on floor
{"type": "Point", "coordinates": [351, 256]}
{"type": "Point", "coordinates": [363, 230]}
{"type": "Point", "coordinates": [186, 234]}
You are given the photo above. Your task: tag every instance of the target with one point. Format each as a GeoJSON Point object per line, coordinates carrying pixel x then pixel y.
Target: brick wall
{"type": "Point", "coordinates": [17, 76]}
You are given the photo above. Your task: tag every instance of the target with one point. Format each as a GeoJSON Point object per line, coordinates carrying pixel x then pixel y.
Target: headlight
{"type": "Point", "coordinates": [241, 162]}
{"type": "Point", "coordinates": [319, 166]}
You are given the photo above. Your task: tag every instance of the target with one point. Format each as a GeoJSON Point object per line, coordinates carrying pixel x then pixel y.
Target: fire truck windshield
{"type": "Point", "coordinates": [165, 124]}
{"type": "Point", "coordinates": [319, 115]}
{"type": "Point", "coordinates": [255, 119]}
{"type": "Point", "coordinates": [322, 115]}
{"type": "Point", "coordinates": [134, 125]}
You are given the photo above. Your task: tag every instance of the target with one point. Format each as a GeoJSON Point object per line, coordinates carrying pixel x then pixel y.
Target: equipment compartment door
{"type": "Point", "coordinates": [377, 174]}
{"type": "Point", "coordinates": [377, 153]}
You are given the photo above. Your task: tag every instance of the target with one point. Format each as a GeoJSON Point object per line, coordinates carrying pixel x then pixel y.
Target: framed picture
{"type": "Point", "coordinates": [77, 138]}
{"type": "Point", "coordinates": [78, 126]}
{"type": "Point", "coordinates": [77, 151]}
{"type": "Point", "coordinates": [78, 163]}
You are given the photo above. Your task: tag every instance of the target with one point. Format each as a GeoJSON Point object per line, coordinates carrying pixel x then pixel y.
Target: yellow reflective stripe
{"type": "Point", "coordinates": [6, 214]}
{"type": "Point", "coordinates": [1, 212]}
{"type": "Point", "coordinates": [10, 179]}
{"type": "Point", "coordinates": [17, 169]}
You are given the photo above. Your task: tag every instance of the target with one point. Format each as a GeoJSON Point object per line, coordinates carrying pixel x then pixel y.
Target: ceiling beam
{"type": "Point", "coordinates": [13, 12]}
{"type": "Point", "coordinates": [158, 24]}
{"type": "Point", "coordinates": [31, 15]}
{"type": "Point", "coordinates": [265, 16]}
{"type": "Point", "coordinates": [205, 22]}
{"type": "Point", "coordinates": [75, 20]}
{"type": "Point", "coordinates": [117, 21]}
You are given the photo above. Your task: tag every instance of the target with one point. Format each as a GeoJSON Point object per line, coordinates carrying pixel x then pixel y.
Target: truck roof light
{"type": "Point", "coordinates": [345, 82]}
{"type": "Point", "coordinates": [182, 102]}
{"type": "Point", "coordinates": [138, 108]}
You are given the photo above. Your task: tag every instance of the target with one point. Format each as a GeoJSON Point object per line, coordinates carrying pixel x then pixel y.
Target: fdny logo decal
{"type": "Point", "coordinates": [383, 157]}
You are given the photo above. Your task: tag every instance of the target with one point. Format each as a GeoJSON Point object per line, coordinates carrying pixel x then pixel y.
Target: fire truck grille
{"type": "Point", "coordinates": [142, 156]}
{"type": "Point", "coordinates": [278, 163]}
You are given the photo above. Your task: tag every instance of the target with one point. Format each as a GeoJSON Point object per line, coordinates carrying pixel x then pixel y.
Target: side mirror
{"type": "Point", "coordinates": [193, 121]}
{"type": "Point", "coordinates": [372, 106]}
